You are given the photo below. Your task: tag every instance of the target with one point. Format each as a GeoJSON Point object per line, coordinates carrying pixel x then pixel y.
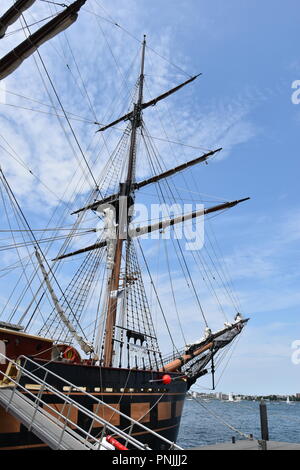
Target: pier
{"type": "Point", "coordinates": [250, 443]}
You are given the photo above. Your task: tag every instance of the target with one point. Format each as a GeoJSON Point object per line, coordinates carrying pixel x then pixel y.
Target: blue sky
{"type": "Point", "coordinates": [248, 53]}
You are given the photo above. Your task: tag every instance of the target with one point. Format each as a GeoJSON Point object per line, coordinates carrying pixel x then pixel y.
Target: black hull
{"type": "Point", "coordinates": [131, 391]}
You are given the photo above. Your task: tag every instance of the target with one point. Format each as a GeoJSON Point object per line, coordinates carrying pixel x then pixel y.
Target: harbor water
{"type": "Point", "coordinates": [203, 422]}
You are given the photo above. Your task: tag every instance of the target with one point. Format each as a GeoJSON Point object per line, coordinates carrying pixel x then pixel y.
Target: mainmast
{"type": "Point", "coordinates": [117, 218]}
{"type": "Point", "coordinates": [124, 195]}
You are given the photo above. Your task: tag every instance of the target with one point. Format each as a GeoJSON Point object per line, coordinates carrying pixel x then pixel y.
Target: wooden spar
{"type": "Point", "coordinates": [95, 246]}
{"type": "Point", "coordinates": [174, 365]}
{"type": "Point", "coordinates": [138, 231]}
{"type": "Point", "coordinates": [153, 179]}
{"type": "Point", "coordinates": [13, 14]}
{"type": "Point", "coordinates": [153, 102]}
{"type": "Point", "coordinates": [170, 92]}
{"type": "Point", "coordinates": [178, 168]}
{"type": "Point", "coordinates": [63, 20]}
{"type": "Point", "coordinates": [126, 189]}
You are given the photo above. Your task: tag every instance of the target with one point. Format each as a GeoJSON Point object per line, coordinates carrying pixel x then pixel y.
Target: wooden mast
{"type": "Point", "coordinates": [125, 191]}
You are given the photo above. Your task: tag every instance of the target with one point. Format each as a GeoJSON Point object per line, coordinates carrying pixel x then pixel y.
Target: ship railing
{"type": "Point", "coordinates": [17, 377]}
{"type": "Point", "coordinates": [166, 359]}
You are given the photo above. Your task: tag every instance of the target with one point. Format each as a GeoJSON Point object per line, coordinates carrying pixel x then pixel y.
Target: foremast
{"type": "Point", "coordinates": [125, 194]}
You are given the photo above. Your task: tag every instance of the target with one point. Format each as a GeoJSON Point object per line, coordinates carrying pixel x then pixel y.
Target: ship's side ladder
{"type": "Point", "coordinates": [24, 388]}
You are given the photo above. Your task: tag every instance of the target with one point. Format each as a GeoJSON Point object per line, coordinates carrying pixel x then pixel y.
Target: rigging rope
{"type": "Point", "coordinates": [10, 192]}
{"type": "Point", "coordinates": [42, 240]}
{"type": "Point", "coordinates": [113, 22]}
{"type": "Point", "coordinates": [225, 285]}
{"type": "Point", "coordinates": [22, 28]}
{"type": "Point", "coordinates": [157, 297]}
{"type": "Point", "coordinates": [219, 418]}
{"type": "Point", "coordinates": [55, 3]}
{"type": "Point", "coordinates": [159, 191]}
{"type": "Point", "coordinates": [64, 112]}
{"type": "Point", "coordinates": [173, 294]}
{"type": "Point", "coordinates": [229, 285]}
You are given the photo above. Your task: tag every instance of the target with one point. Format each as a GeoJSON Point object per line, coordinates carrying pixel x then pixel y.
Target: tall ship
{"type": "Point", "coordinates": [85, 313]}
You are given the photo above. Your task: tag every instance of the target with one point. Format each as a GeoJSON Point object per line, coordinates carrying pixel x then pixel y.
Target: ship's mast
{"type": "Point", "coordinates": [124, 193]}
{"type": "Point", "coordinates": [115, 208]}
